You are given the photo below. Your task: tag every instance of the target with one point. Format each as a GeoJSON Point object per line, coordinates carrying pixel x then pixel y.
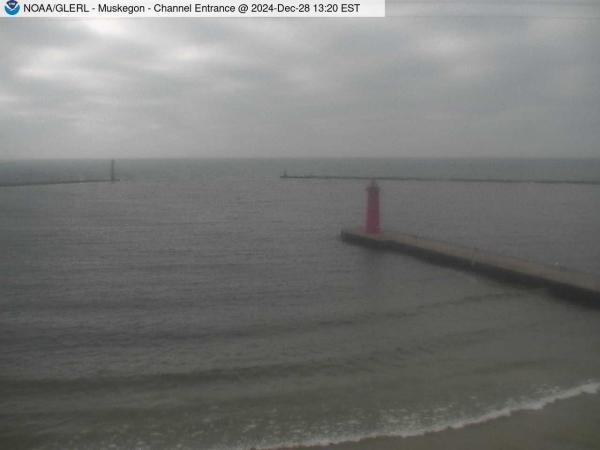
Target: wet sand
{"type": "Point", "coordinates": [572, 424]}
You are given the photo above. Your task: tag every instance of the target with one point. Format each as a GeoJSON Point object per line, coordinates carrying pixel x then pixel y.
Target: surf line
{"type": "Point", "coordinates": [511, 407]}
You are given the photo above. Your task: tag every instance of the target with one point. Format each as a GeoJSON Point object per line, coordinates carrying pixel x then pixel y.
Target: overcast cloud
{"type": "Point", "coordinates": [399, 86]}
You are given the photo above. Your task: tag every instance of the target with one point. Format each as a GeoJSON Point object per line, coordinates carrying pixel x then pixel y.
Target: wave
{"type": "Point", "coordinates": [510, 408]}
{"type": "Point", "coordinates": [324, 366]}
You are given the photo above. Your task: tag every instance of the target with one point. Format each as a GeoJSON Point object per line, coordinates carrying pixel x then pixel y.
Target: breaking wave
{"type": "Point", "coordinates": [511, 407]}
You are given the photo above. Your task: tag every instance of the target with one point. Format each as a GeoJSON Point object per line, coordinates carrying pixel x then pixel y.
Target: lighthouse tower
{"type": "Point", "coordinates": [113, 176]}
{"type": "Point", "coordinates": [372, 225]}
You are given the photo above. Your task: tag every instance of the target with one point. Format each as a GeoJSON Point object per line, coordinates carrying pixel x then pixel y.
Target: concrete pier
{"type": "Point", "coordinates": [573, 284]}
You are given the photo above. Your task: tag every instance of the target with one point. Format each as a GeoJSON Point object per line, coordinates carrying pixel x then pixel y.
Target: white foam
{"type": "Point", "coordinates": [511, 407]}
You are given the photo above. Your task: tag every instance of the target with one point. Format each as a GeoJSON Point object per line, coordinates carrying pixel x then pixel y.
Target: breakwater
{"type": "Point", "coordinates": [581, 285]}
{"type": "Point", "coordinates": [454, 180]}
{"type": "Point", "coordinates": [112, 179]}
{"type": "Point", "coordinates": [47, 183]}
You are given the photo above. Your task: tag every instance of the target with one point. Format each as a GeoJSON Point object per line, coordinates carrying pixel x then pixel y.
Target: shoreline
{"type": "Point", "coordinates": [568, 422]}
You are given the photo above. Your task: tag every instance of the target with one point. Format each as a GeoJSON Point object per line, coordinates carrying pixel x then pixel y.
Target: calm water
{"type": "Point", "coordinates": [210, 305]}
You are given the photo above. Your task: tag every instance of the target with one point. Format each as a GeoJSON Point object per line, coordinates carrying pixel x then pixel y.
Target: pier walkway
{"type": "Point", "coordinates": [505, 267]}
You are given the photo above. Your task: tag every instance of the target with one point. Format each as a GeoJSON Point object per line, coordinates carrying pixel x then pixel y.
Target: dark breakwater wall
{"type": "Point", "coordinates": [448, 180]}
{"type": "Point", "coordinates": [48, 183]}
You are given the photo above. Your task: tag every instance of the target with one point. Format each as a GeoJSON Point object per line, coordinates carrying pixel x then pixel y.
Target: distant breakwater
{"type": "Point", "coordinates": [47, 183]}
{"type": "Point", "coordinates": [453, 180]}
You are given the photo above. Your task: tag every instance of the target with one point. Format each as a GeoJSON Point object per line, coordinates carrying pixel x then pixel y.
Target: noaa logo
{"type": "Point", "coordinates": [12, 7]}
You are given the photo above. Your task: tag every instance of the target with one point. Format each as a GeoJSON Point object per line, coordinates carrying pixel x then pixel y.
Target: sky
{"type": "Point", "coordinates": [418, 83]}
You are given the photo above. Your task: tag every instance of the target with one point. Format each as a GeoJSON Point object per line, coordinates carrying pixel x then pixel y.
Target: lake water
{"type": "Point", "coordinates": [209, 304]}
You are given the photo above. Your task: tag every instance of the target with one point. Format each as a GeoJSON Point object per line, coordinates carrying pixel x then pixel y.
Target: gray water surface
{"type": "Point", "coordinates": [211, 305]}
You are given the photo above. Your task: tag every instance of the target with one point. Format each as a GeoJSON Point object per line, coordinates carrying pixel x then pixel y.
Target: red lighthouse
{"type": "Point", "coordinates": [372, 226]}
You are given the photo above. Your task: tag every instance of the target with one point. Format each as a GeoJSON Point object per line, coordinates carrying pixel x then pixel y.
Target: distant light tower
{"type": "Point", "coordinates": [372, 226]}
{"type": "Point", "coordinates": [113, 176]}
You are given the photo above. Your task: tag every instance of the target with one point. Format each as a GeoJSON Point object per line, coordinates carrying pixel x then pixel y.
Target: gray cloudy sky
{"type": "Point", "coordinates": [485, 85]}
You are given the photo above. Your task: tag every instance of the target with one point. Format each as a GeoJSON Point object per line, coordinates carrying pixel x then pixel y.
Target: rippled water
{"type": "Point", "coordinates": [211, 305]}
